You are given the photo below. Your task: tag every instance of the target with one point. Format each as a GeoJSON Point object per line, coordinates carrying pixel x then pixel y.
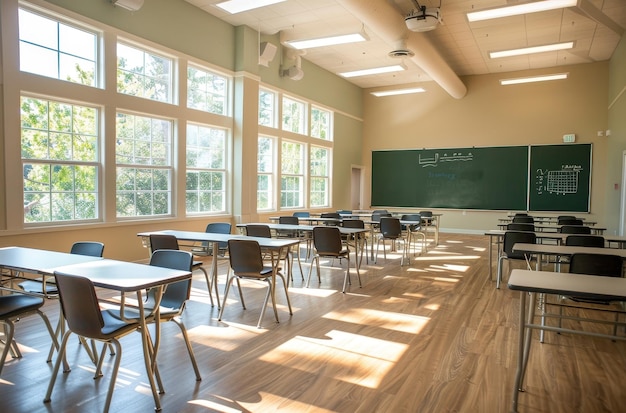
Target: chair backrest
{"type": "Point", "coordinates": [560, 217]}
{"type": "Point", "coordinates": [521, 214]}
{"type": "Point", "coordinates": [353, 223]}
{"type": "Point", "coordinates": [585, 241]}
{"type": "Point", "coordinates": [412, 217]}
{"type": "Point", "coordinates": [380, 211]}
{"type": "Point", "coordinates": [327, 240]}
{"type": "Point", "coordinates": [258, 230]}
{"type": "Point", "coordinates": [331, 215]}
{"type": "Point", "coordinates": [219, 228]}
{"type": "Point", "coordinates": [163, 242]}
{"type": "Point", "coordinates": [302, 214]}
{"type": "Point", "coordinates": [570, 221]}
{"type": "Point", "coordinates": [523, 219]}
{"type": "Point", "coordinates": [176, 293]}
{"type": "Point", "coordinates": [575, 229]}
{"type": "Point", "coordinates": [79, 304]}
{"type": "Point", "coordinates": [516, 226]}
{"type": "Point", "coordinates": [292, 220]}
{"type": "Point", "coordinates": [245, 256]}
{"type": "Point", "coordinates": [426, 214]}
{"type": "Point", "coordinates": [376, 216]}
{"type": "Point", "coordinates": [513, 237]}
{"type": "Point", "coordinates": [596, 264]}
{"type": "Point", "coordinates": [90, 248]}
{"type": "Point", "coordinates": [390, 227]}
{"type": "Point", "coordinates": [344, 211]}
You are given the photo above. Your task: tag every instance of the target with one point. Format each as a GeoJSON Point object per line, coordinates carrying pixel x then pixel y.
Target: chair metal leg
{"type": "Point", "coordinates": [192, 357]}
{"type": "Point", "coordinates": [209, 285]}
{"type": "Point", "coordinates": [9, 330]}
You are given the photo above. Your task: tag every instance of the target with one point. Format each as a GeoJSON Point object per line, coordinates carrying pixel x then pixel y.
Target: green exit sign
{"type": "Point", "coordinates": [570, 137]}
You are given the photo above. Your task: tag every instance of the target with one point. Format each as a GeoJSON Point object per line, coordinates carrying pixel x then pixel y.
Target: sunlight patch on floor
{"type": "Point", "coordinates": [406, 323]}
{"type": "Point", "coordinates": [224, 337]}
{"type": "Point", "coordinates": [447, 257]}
{"type": "Point", "coordinates": [214, 406]}
{"type": "Point", "coordinates": [341, 355]}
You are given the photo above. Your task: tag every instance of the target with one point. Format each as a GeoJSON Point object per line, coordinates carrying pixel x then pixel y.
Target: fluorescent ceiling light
{"type": "Point", "coordinates": [237, 6]}
{"type": "Point", "coordinates": [327, 41]}
{"type": "Point", "coordinates": [373, 71]}
{"type": "Point", "coordinates": [530, 50]}
{"type": "Point", "coordinates": [520, 9]}
{"type": "Point", "coordinates": [398, 92]}
{"type": "Point", "coordinates": [543, 78]}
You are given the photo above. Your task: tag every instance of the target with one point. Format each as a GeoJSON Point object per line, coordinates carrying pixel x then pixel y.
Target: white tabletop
{"type": "Point", "coordinates": [124, 276]}
{"type": "Point", "coordinates": [579, 285]}
{"type": "Point", "coordinates": [550, 249]}
{"type": "Point", "coordinates": [216, 237]}
{"type": "Point", "coordinates": [38, 261]}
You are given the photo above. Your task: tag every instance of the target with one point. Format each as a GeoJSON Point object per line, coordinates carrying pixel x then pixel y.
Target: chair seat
{"type": "Point", "coordinates": [17, 304]}
{"type": "Point", "coordinates": [114, 325]}
{"type": "Point", "coordinates": [36, 287]}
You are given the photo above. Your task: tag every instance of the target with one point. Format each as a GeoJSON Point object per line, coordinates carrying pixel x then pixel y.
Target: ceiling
{"type": "Point", "coordinates": [458, 46]}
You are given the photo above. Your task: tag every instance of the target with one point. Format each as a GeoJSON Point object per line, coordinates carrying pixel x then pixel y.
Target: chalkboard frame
{"type": "Point", "coordinates": [397, 181]}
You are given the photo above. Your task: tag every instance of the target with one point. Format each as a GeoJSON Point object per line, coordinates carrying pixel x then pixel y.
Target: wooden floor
{"type": "Point", "coordinates": [435, 336]}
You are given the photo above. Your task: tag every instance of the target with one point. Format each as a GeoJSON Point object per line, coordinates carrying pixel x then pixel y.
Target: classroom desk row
{"type": "Point", "coordinates": [427, 223]}
{"type": "Point", "coordinates": [103, 273]}
{"type": "Point", "coordinates": [496, 237]}
{"type": "Point", "coordinates": [556, 228]}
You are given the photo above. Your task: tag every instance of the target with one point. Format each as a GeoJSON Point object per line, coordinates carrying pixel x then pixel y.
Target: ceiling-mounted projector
{"type": "Point", "coordinates": [423, 19]}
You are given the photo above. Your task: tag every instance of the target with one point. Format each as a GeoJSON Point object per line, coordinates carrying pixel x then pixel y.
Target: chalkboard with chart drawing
{"type": "Point", "coordinates": [560, 177]}
{"type": "Point", "coordinates": [463, 178]}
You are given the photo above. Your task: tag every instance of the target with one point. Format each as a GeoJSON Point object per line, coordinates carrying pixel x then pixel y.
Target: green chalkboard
{"type": "Point", "coordinates": [560, 177]}
{"type": "Point", "coordinates": [464, 178]}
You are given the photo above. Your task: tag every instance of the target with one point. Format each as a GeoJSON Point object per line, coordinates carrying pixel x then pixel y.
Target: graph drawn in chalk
{"type": "Point", "coordinates": [563, 182]}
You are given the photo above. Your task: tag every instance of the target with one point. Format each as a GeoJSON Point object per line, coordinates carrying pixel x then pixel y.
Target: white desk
{"type": "Point", "coordinates": [352, 232]}
{"type": "Point", "coordinates": [20, 261]}
{"type": "Point", "coordinates": [128, 277]}
{"type": "Point", "coordinates": [546, 282]}
{"type": "Point", "coordinates": [563, 250]}
{"type": "Point", "coordinates": [275, 245]}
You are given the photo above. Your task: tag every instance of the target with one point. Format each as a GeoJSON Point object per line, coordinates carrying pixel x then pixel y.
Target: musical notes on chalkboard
{"type": "Point", "coordinates": [432, 161]}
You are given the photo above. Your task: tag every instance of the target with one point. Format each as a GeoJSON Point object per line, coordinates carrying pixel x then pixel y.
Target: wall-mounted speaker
{"type": "Point", "coordinates": [267, 51]}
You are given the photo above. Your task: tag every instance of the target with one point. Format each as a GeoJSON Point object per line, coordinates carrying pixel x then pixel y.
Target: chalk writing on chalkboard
{"type": "Point", "coordinates": [563, 181]}
{"type": "Point", "coordinates": [432, 161]}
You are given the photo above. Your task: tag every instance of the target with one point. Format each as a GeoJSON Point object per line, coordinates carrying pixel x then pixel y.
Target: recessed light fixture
{"type": "Point", "coordinates": [373, 71]}
{"type": "Point", "coordinates": [237, 6]}
{"type": "Point", "coordinates": [398, 92]}
{"type": "Point", "coordinates": [327, 41]}
{"type": "Point", "coordinates": [518, 9]}
{"type": "Point", "coordinates": [542, 78]}
{"type": "Point", "coordinates": [530, 50]}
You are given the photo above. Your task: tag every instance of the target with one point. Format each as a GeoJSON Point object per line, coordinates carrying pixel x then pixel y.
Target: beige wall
{"type": "Point", "coordinates": [494, 115]}
{"type": "Point", "coordinates": [617, 139]}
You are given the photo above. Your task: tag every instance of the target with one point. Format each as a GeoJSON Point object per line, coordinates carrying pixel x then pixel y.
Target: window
{"type": "Point", "coordinates": [294, 116]}
{"type": "Point", "coordinates": [206, 91]}
{"type": "Point", "coordinates": [265, 173]}
{"type": "Point", "coordinates": [144, 74]}
{"type": "Point", "coordinates": [292, 175]}
{"type": "Point", "coordinates": [319, 177]}
{"type": "Point", "coordinates": [320, 124]}
{"type": "Point", "coordinates": [59, 143]}
{"type": "Point", "coordinates": [57, 50]}
{"type": "Point", "coordinates": [267, 108]}
{"type": "Point", "coordinates": [206, 169]}
{"type": "Point", "coordinates": [144, 166]}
